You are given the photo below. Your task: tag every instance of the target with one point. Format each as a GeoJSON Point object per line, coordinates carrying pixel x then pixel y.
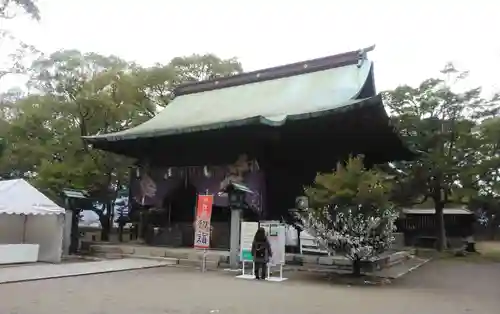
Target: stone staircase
{"type": "Point", "coordinates": [187, 257]}
{"type": "Point", "coordinates": [191, 258]}
{"type": "Point", "coordinates": [107, 252]}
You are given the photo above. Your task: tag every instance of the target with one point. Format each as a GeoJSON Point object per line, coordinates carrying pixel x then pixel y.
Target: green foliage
{"type": "Point", "coordinates": [350, 212]}
{"type": "Point", "coordinates": [2, 146]}
{"type": "Point", "coordinates": [350, 186]}
{"type": "Point", "coordinates": [482, 181]}
{"type": "Point", "coordinates": [203, 67]}
{"type": "Point", "coordinates": [441, 123]}
{"type": "Point", "coordinates": [78, 94]}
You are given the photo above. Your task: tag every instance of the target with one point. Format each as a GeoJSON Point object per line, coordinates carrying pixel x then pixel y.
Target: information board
{"type": "Point", "coordinates": [276, 235]}
{"type": "Point", "coordinates": [248, 230]}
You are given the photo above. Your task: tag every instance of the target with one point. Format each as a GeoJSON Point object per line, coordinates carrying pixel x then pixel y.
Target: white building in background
{"type": "Point", "coordinates": [89, 218]}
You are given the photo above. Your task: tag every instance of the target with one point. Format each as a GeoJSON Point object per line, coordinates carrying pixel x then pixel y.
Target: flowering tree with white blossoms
{"type": "Point", "coordinates": [350, 212]}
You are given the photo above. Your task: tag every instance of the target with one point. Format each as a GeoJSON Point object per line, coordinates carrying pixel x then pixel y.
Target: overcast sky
{"type": "Point", "coordinates": [413, 39]}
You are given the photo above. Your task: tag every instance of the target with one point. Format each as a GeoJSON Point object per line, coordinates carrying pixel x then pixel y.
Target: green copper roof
{"type": "Point", "coordinates": [270, 102]}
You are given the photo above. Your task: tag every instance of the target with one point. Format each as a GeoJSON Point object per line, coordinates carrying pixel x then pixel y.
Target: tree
{"type": "Point", "coordinates": [350, 212]}
{"type": "Point", "coordinates": [93, 94]}
{"type": "Point", "coordinates": [14, 60]}
{"type": "Point", "coordinates": [157, 84]}
{"type": "Point", "coordinates": [435, 120]}
{"type": "Point", "coordinates": [26, 136]}
{"type": "Point", "coordinates": [482, 182]}
{"type": "Point", "coordinates": [197, 68]}
{"type": "Point", "coordinates": [159, 81]}
{"type": "Point", "coordinates": [11, 8]}
{"type": "Point", "coordinates": [79, 94]}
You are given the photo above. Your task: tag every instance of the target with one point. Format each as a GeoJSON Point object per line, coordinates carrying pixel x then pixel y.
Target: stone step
{"type": "Point", "coordinates": [209, 257]}
{"type": "Point", "coordinates": [400, 259]}
{"type": "Point", "coordinates": [402, 268]}
{"type": "Point", "coordinates": [192, 257]}
{"type": "Point", "coordinates": [107, 255]}
{"type": "Point", "coordinates": [158, 252]}
{"type": "Point", "coordinates": [105, 249]}
{"type": "Point", "coordinates": [170, 261]}
{"type": "Point", "coordinates": [211, 265]}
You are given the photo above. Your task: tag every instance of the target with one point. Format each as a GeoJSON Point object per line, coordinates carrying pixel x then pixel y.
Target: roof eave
{"type": "Point", "coordinates": [257, 120]}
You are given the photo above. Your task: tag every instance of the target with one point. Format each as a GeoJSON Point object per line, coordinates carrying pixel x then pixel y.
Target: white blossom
{"type": "Point", "coordinates": [350, 232]}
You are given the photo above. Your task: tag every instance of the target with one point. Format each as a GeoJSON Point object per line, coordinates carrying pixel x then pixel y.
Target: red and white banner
{"type": "Point", "coordinates": [202, 224]}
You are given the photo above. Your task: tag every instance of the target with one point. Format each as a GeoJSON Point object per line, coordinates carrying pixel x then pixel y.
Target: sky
{"type": "Point", "coordinates": [414, 39]}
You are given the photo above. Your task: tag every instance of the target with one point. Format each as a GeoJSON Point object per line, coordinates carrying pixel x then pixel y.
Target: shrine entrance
{"type": "Point", "coordinates": [293, 120]}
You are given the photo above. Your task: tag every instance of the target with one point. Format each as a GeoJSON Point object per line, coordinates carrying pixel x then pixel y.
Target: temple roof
{"type": "Point", "coordinates": [270, 97]}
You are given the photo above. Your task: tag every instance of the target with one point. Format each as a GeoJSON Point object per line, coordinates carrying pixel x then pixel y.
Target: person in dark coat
{"type": "Point", "coordinates": [261, 252]}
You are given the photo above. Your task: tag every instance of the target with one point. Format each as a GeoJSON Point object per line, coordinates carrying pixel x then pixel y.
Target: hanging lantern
{"type": "Point", "coordinates": [206, 172]}
{"type": "Point", "coordinates": [301, 202]}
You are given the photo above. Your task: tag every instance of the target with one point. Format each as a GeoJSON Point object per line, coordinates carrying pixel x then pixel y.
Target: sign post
{"type": "Point", "coordinates": [248, 230]}
{"type": "Point", "coordinates": [202, 226]}
{"type": "Point", "coordinates": [276, 235]}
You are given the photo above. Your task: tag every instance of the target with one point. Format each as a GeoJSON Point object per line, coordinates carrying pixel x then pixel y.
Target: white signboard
{"type": "Point", "coordinates": [248, 230]}
{"type": "Point", "coordinates": [276, 234]}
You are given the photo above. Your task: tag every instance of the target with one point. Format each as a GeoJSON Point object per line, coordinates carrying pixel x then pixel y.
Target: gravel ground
{"type": "Point", "coordinates": [435, 288]}
{"type": "Point", "coordinates": [450, 276]}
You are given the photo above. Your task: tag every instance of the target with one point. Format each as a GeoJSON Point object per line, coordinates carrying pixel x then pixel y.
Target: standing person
{"type": "Point", "coordinates": [261, 252]}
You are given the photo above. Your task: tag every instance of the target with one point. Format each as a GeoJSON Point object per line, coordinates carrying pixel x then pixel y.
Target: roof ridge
{"type": "Point", "coordinates": [277, 72]}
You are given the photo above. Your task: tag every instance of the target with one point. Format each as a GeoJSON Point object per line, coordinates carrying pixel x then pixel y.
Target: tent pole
{"type": "Point", "coordinates": [24, 228]}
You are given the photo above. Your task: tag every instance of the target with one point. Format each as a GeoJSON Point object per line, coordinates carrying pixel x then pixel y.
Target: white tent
{"type": "Point", "coordinates": [29, 220]}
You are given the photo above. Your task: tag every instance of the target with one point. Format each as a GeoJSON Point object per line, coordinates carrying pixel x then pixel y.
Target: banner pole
{"type": "Point", "coordinates": [196, 228]}
{"type": "Point", "coordinates": [203, 261]}
{"type": "Point", "coordinates": [197, 221]}
{"type": "Point", "coordinates": [204, 257]}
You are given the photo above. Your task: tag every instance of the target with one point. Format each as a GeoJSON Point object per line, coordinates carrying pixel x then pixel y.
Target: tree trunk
{"type": "Point", "coordinates": [140, 228]}
{"type": "Point", "coordinates": [493, 230]}
{"type": "Point", "coordinates": [120, 232]}
{"type": "Point", "coordinates": [356, 267]}
{"type": "Point", "coordinates": [106, 221]}
{"type": "Point", "coordinates": [105, 227]}
{"type": "Point", "coordinates": [75, 232]}
{"type": "Point", "coordinates": [493, 224]}
{"type": "Point", "coordinates": [440, 226]}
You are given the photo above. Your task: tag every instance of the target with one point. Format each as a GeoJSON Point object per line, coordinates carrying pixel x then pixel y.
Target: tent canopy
{"type": "Point", "coordinates": [18, 197]}
{"type": "Point", "coordinates": [29, 217]}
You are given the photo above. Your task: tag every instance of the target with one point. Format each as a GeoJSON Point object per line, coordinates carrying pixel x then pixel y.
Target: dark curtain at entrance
{"type": "Point", "coordinates": [214, 179]}
{"type": "Point", "coordinates": [180, 204]}
{"type": "Point", "coordinates": [150, 188]}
